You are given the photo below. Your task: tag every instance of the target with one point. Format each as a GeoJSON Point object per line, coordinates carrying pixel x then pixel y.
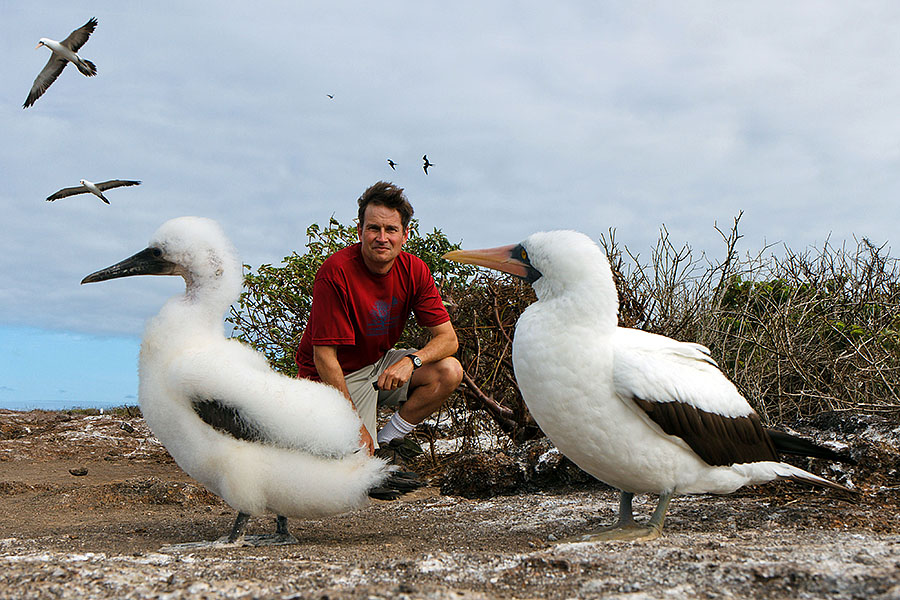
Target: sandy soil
{"type": "Point", "coordinates": [109, 533]}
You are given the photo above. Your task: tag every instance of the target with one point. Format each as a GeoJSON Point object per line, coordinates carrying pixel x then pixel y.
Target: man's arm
{"type": "Point", "coordinates": [443, 343]}
{"type": "Point", "coordinates": [329, 369]}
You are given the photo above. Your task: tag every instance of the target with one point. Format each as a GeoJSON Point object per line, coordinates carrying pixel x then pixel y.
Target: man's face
{"type": "Point", "coordinates": [382, 236]}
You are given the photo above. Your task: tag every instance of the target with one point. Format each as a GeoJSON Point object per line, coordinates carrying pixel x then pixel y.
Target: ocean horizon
{"type": "Point", "coordinates": [26, 405]}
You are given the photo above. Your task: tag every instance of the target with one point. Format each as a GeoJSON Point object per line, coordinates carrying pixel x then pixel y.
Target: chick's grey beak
{"type": "Point", "coordinates": [145, 262]}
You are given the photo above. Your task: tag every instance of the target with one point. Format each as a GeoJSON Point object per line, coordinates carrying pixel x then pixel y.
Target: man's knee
{"type": "Point", "coordinates": [450, 372]}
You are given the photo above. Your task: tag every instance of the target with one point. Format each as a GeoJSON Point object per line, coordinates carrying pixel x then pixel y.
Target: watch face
{"type": "Point", "coordinates": [417, 362]}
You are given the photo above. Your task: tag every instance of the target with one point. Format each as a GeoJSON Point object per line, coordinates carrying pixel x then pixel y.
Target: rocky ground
{"type": "Point", "coordinates": [93, 507]}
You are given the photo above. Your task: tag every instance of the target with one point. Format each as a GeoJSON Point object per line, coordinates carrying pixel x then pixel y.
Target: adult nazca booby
{"type": "Point", "coordinates": [89, 187]}
{"type": "Point", "coordinates": [641, 412]}
{"type": "Point", "coordinates": [61, 54]}
{"type": "Point", "coordinates": [261, 441]}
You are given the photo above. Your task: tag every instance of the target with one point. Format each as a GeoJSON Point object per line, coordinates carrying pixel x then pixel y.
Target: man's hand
{"type": "Point", "coordinates": [366, 439]}
{"type": "Point", "coordinates": [396, 375]}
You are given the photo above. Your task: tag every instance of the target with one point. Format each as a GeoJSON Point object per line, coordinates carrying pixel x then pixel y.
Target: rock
{"type": "Point", "coordinates": [533, 465]}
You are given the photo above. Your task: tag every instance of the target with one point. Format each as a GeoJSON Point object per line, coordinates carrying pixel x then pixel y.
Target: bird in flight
{"type": "Point", "coordinates": [330, 96]}
{"type": "Point", "coordinates": [392, 164]}
{"type": "Point", "coordinates": [61, 54]}
{"type": "Point", "coordinates": [427, 164]}
{"type": "Point", "coordinates": [88, 187]}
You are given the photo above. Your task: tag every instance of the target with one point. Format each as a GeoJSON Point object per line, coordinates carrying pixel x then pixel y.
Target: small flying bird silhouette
{"type": "Point", "coordinates": [62, 53]}
{"type": "Point", "coordinates": [427, 164]}
{"type": "Point", "coordinates": [330, 96]}
{"type": "Point", "coordinates": [392, 163]}
{"type": "Point", "coordinates": [88, 187]}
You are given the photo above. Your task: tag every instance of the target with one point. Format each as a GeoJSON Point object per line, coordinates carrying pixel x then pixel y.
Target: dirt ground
{"type": "Point", "coordinates": [91, 506]}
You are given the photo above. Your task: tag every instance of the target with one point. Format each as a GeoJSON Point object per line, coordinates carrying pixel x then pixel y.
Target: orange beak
{"type": "Point", "coordinates": [501, 259]}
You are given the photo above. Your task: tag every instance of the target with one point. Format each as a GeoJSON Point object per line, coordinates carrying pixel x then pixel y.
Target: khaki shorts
{"type": "Point", "coordinates": [366, 398]}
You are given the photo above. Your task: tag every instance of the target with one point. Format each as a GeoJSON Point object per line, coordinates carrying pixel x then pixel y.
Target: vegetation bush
{"type": "Point", "coordinates": [798, 333]}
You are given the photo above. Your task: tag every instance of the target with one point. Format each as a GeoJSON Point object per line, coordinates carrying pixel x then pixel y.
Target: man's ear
{"type": "Point", "coordinates": [359, 231]}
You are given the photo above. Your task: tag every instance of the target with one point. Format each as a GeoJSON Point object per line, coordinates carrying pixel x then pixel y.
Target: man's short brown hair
{"type": "Point", "coordinates": [389, 195]}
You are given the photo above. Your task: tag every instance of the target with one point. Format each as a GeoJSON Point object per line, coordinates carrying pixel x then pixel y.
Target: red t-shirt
{"type": "Point", "coordinates": [364, 313]}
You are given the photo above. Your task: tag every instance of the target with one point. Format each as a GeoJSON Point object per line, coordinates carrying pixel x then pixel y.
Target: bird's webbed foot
{"type": "Point", "coordinates": [617, 533]}
{"type": "Point", "coordinates": [626, 529]}
{"type": "Point", "coordinates": [281, 537]}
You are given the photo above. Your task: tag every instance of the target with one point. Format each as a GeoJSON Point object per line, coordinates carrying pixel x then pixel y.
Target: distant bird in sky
{"type": "Point", "coordinates": [330, 96]}
{"type": "Point", "coordinates": [427, 164]}
{"type": "Point", "coordinates": [61, 54]}
{"type": "Point", "coordinates": [641, 412]}
{"type": "Point", "coordinates": [88, 187]}
{"type": "Point", "coordinates": [392, 163]}
{"type": "Point", "coordinates": [262, 441]}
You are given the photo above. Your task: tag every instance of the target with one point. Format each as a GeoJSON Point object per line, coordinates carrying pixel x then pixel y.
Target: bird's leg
{"type": "Point", "coordinates": [625, 528]}
{"type": "Point", "coordinates": [281, 527]}
{"type": "Point", "coordinates": [626, 516]}
{"type": "Point", "coordinates": [237, 530]}
{"type": "Point", "coordinates": [659, 515]}
{"type": "Point", "coordinates": [282, 535]}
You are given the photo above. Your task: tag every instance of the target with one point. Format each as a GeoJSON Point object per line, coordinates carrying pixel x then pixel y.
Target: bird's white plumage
{"type": "Point", "coordinates": [579, 372]}
{"type": "Point", "coordinates": [654, 366]}
{"type": "Point", "coordinates": [308, 464]}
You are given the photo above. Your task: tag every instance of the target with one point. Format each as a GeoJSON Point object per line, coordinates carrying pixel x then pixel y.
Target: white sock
{"type": "Point", "coordinates": [397, 427]}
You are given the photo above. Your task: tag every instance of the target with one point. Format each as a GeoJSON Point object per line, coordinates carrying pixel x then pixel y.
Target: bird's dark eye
{"type": "Point", "coordinates": [156, 252]}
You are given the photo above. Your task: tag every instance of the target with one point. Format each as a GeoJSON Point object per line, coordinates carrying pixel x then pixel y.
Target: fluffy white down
{"type": "Point", "coordinates": [310, 465]}
{"type": "Point", "coordinates": [578, 371]}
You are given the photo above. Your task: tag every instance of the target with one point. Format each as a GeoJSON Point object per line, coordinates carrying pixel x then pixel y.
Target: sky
{"type": "Point", "coordinates": [567, 115]}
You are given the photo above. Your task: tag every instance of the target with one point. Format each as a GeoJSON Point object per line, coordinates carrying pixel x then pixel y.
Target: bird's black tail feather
{"type": "Point", "coordinates": [88, 68]}
{"type": "Point", "coordinates": [786, 443]}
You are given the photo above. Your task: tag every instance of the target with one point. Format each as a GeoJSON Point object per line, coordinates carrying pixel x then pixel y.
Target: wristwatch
{"type": "Point", "coordinates": [417, 362]}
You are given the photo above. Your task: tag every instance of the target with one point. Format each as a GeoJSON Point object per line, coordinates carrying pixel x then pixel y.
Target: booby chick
{"type": "Point", "coordinates": [262, 441]}
{"type": "Point", "coordinates": [89, 187]}
{"type": "Point", "coordinates": [61, 54]}
{"type": "Point", "coordinates": [641, 412]}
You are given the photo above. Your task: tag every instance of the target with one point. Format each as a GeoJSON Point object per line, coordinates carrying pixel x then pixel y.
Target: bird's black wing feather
{"type": "Point", "coordinates": [80, 36]}
{"type": "Point", "coordinates": [66, 192]}
{"type": "Point", "coordinates": [226, 420]}
{"type": "Point", "coordinates": [45, 78]}
{"type": "Point", "coordinates": [114, 183]}
{"type": "Point", "coordinates": [718, 440]}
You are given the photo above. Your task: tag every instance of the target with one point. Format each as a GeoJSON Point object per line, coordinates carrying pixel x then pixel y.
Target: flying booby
{"type": "Point", "coordinates": [61, 54]}
{"type": "Point", "coordinates": [261, 441]}
{"type": "Point", "coordinates": [641, 412]}
{"type": "Point", "coordinates": [88, 187]}
{"type": "Point", "coordinates": [392, 164]}
{"type": "Point", "coordinates": [427, 164]}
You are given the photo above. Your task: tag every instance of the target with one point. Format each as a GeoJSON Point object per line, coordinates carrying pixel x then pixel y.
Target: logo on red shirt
{"type": "Point", "coordinates": [381, 318]}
